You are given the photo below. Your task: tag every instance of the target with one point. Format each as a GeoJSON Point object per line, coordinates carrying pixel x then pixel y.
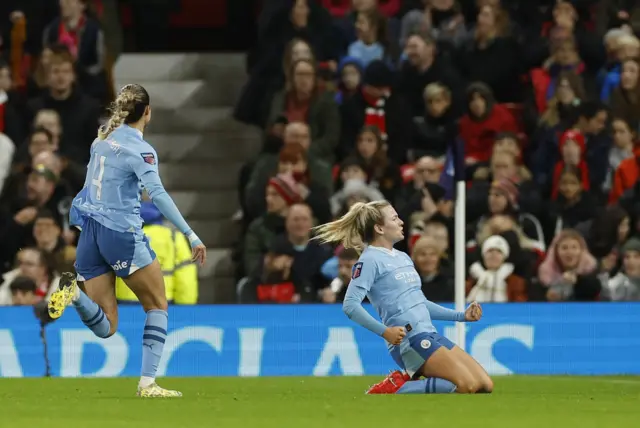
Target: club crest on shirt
{"type": "Point", "coordinates": [357, 270]}
{"type": "Point", "coordinates": [148, 158]}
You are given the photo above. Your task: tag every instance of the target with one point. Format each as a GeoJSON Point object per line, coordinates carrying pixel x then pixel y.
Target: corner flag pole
{"type": "Point", "coordinates": [460, 238]}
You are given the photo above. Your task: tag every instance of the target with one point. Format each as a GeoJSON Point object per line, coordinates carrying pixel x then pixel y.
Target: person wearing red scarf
{"type": "Point", "coordinates": [84, 39]}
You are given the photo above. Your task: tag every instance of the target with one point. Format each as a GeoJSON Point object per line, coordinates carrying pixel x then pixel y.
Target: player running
{"type": "Point", "coordinates": [388, 278]}
{"type": "Point", "coordinates": [112, 243]}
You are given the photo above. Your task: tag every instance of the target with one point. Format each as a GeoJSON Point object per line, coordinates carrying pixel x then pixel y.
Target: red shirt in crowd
{"type": "Point", "coordinates": [479, 135]}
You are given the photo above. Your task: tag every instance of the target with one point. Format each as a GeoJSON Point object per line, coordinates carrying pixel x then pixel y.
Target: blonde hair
{"type": "Point", "coordinates": [355, 228]}
{"type": "Point", "coordinates": [433, 90]}
{"type": "Point", "coordinates": [128, 107]}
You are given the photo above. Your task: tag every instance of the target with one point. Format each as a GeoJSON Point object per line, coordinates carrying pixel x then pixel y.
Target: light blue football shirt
{"type": "Point", "coordinates": [390, 281]}
{"type": "Point", "coordinates": [112, 189]}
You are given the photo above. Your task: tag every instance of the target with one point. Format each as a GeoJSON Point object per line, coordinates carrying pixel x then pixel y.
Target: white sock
{"type": "Point", "coordinates": [145, 381]}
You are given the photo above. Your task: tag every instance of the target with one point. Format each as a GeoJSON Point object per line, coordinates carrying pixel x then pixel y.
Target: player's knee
{"type": "Point", "coordinates": [467, 386]}
{"type": "Point", "coordinates": [157, 303]}
{"type": "Point", "coordinates": [487, 386]}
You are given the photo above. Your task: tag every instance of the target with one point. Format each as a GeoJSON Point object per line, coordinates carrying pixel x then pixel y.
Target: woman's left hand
{"type": "Point", "coordinates": [473, 312]}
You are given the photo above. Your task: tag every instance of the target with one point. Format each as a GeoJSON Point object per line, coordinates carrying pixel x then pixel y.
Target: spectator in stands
{"type": "Point", "coordinates": [292, 267]}
{"type": "Point", "coordinates": [564, 59]}
{"type": "Point", "coordinates": [503, 199]}
{"type": "Point", "coordinates": [310, 172]}
{"type": "Point", "coordinates": [50, 120]}
{"type": "Point", "coordinates": [626, 179]}
{"type": "Point", "coordinates": [309, 256]}
{"type": "Point", "coordinates": [7, 150]}
{"type": "Point", "coordinates": [372, 41]}
{"type": "Point", "coordinates": [20, 210]}
{"type": "Point", "coordinates": [37, 14]}
{"type": "Point", "coordinates": [334, 293]}
{"type": "Point", "coordinates": [628, 47]}
{"type": "Point", "coordinates": [564, 24]}
{"type": "Point", "coordinates": [381, 171]}
{"type": "Point", "coordinates": [492, 279]}
{"type": "Point", "coordinates": [441, 19]}
{"type": "Point", "coordinates": [23, 292]}
{"type": "Point", "coordinates": [303, 101]}
{"type": "Point", "coordinates": [569, 270]}
{"type": "Point", "coordinates": [592, 122]}
{"type": "Point", "coordinates": [624, 142]}
{"type": "Point", "coordinates": [574, 204]}
{"type": "Point", "coordinates": [437, 127]}
{"type": "Point", "coordinates": [561, 112]}
{"type": "Point", "coordinates": [572, 148]}
{"type": "Point", "coordinates": [350, 78]}
{"type": "Point", "coordinates": [423, 67]}
{"type": "Point", "coordinates": [606, 234]}
{"type": "Point", "coordinates": [78, 113]}
{"type": "Point", "coordinates": [625, 98]}
{"type": "Point", "coordinates": [38, 81]}
{"type": "Point", "coordinates": [434, 269]}
{"type": "Point", "coordinates": [503, 167]}
{"type": "Point", "coordinates": [484, 120]}
{"type": "Point", "coordinates": [299, 19]}
{"type": "Point", "coordinates": [354, 186]}
{"type": "Point", "coordinates": [379, 105]}
{"type": "Point", "coordinates": [47, 235]}
{"type": "Point", "coordinates": [10, 120]}
{"type": "Point", "coordinates": [492, 57]}
{"type": "Point", "coordinates": [427, 169]}
{"type": "Point", "coordinates": [280, 195]}
{"type": "Point", "coordinates": [174, 254]}
{"type": "Point", "coordinates": [625, 286]}
{"type": "Point", "coordinates": [82, 36]}
{"type": "Point", "coordinates": [33, 264]}
{"type": "Point", "coordinates": [347, 12]}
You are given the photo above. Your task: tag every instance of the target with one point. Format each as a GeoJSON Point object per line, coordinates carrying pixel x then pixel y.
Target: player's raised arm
{"type": "Point", "coordinates": [146, 168]}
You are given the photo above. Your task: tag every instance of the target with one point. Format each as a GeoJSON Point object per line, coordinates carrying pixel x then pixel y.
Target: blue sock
{"type": "Point", "coordinates": [155, 333]}
{"type": "Point", "coordinates": [92, 315]}
{"type": "Point", "coordinates": [430, 385]}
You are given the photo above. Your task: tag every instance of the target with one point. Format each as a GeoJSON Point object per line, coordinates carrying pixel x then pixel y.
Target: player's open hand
{"type": "Point", "coordinates": [394, 335]}
{"type": "Point", "coordinates": [199, 254]}
{"type": "Point", "coordinates": [473, 312]}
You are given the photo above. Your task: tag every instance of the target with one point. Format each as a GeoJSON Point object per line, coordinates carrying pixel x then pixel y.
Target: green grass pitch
{"type": "Point", "coordinates": [517, 402]}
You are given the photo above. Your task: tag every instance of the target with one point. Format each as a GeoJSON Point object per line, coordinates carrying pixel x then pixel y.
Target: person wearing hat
{"type": "Point", "coordinates": [377, 105]}
{"type": "Point", "coordinates": [19, 209]}
{"type": "Point", "coordinates": [281, 193]}
{"type": "Point", "coordinates": [503, 200]}
{"type": "Point", "coordinates": [492, 279]}
{"type": "Point", "coordinates": [625, 286]}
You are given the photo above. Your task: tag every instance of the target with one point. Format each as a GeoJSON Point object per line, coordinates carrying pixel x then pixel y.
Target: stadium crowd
{"type": "Point", "coordinates": [365, 100]}
{"type": "Point", "coordinates": [538, 102]}
{"type": "Point", "coordinates": [54, 86]}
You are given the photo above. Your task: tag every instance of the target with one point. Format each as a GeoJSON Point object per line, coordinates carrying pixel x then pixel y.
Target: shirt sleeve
{"type": "Point", "coordinates": [440, 313]}
{"type": "Point", "coordinates": [142, 160]}
{"type": "Point", "coordinates": [363, 276]}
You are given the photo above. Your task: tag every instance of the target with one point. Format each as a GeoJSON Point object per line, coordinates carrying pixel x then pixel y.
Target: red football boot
{"type": "Point", "coordinates": [392, 383]}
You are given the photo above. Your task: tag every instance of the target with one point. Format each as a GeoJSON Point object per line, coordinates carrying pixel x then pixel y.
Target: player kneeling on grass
{"type": "Point", "coordinates": [389, 280]}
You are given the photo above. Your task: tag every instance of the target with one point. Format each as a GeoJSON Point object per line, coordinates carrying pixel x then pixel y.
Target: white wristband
{"type": "Point", "coordinates": [192, 237]}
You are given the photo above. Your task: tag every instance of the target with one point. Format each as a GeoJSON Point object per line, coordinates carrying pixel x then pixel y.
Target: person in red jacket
{"type": "Point", "coordinates": [485, 120]}
{"type": "Point", "coordinates": [572, 148]}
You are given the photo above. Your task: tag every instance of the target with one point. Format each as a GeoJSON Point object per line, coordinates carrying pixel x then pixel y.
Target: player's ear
{"type": "Point", "coordinates": [378, 229]}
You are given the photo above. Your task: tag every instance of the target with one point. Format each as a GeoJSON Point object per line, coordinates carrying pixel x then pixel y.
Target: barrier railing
{"type": "Point", "coordinates": [318, 340]}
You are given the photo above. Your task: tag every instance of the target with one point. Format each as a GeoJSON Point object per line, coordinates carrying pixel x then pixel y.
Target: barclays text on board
{"type": "Point", "coordinates": [319, 340]}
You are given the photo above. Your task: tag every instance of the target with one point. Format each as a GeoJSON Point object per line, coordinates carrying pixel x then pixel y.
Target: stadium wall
{"type": "Point", "coordinates": [319, 340]}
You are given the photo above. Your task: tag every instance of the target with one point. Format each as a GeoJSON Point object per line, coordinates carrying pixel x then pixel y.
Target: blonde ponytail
{"type": "Point", "coordinates": [355, 227]}
{"type": "Point", "coordinates": [123, 106]}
